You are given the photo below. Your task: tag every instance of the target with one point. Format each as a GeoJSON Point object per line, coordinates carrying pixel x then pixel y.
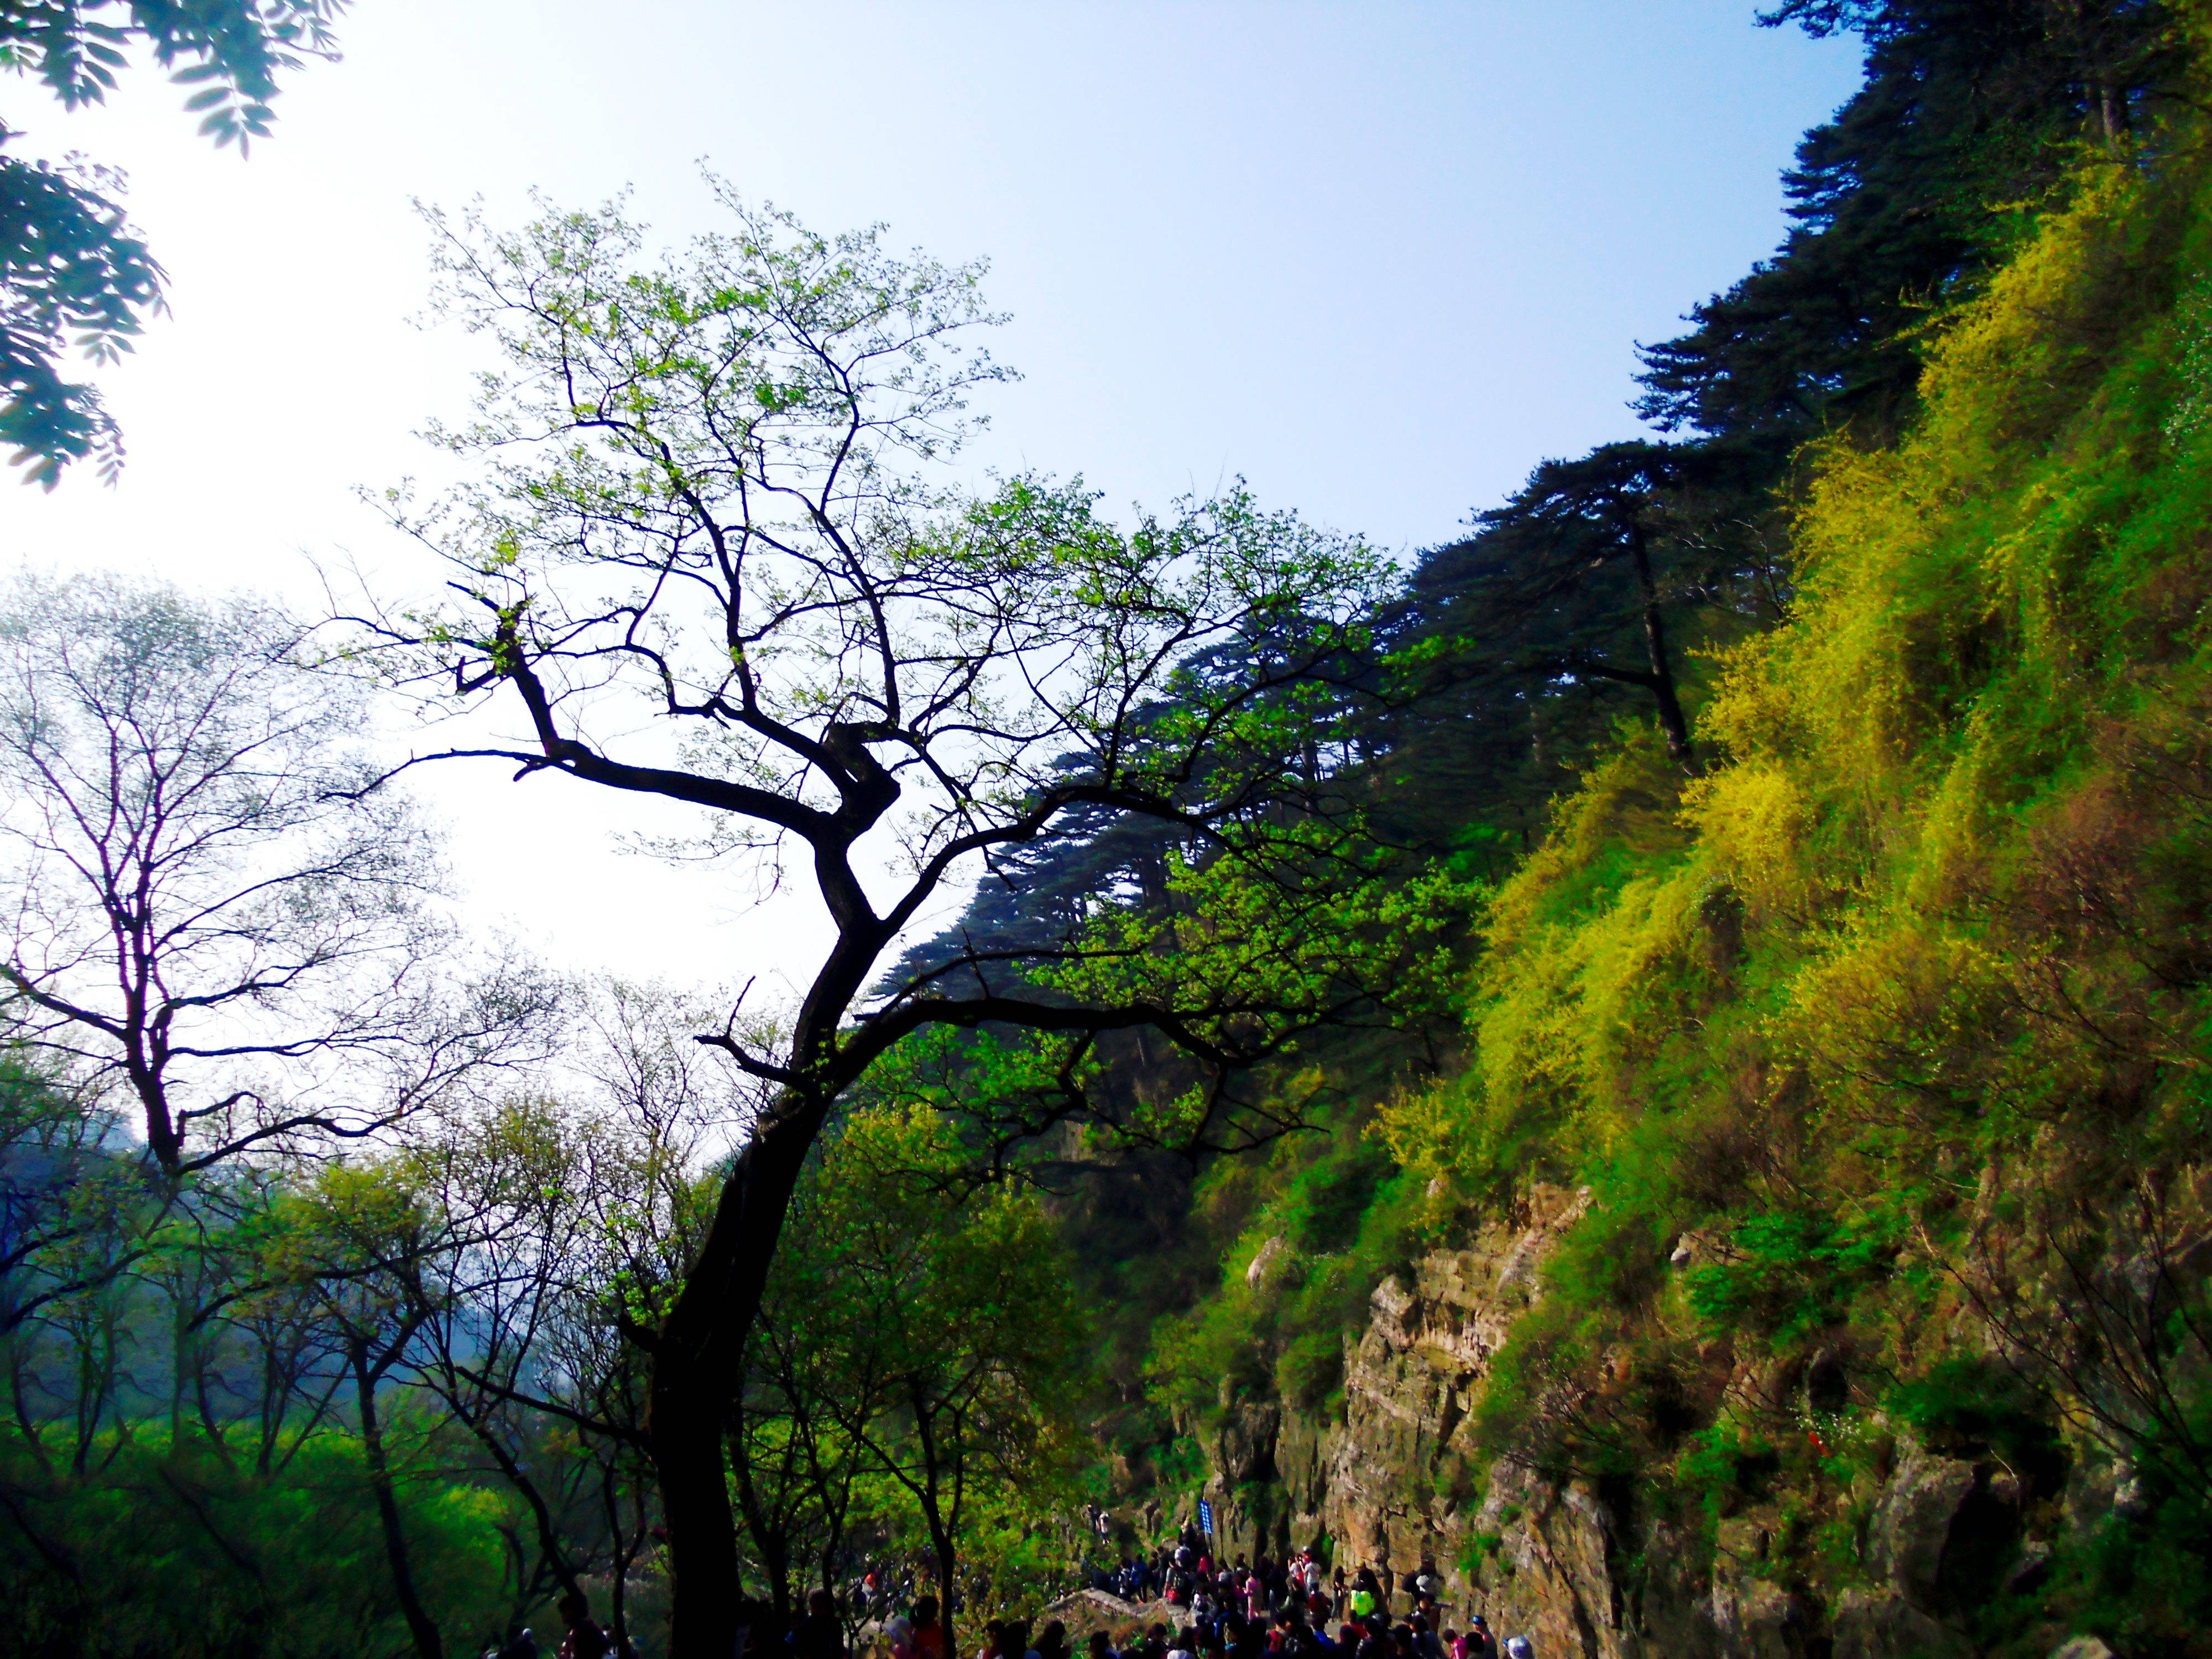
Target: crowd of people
{"type": "Point", "coordinates": [1293, 1608]}
{"type": "Point", "coordinates": [582, 1637]}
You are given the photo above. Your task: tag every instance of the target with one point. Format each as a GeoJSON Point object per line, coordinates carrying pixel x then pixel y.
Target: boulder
{"type": "Point", "coordinates": [1756, 1617]}
{"type": "Point", "coordinates": [1270, 1257]}
{"type": "Point", "coordinates": [1912, 1521]}
{"type": "Point", "coordinates": [1883, 1625]}
{"type": "Point", "coordinates": [1093, 1609]}
{"type": "Point", "coordinates": [1244, 1443]}
{"type": "Point", "coordinates": [2029, 1569]}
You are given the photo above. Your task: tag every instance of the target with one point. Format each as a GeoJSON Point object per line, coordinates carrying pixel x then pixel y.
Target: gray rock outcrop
{"type": "Point", "coordinates": [1391, 1484]}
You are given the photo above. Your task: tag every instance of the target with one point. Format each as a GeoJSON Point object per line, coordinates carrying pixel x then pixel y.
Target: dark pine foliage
{"type": "Point", "coordinates": [1579, 596]}
{"type": "Point", "coordinates": [1970, 109]}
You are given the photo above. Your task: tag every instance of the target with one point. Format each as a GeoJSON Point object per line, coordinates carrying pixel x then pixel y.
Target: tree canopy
{"type": "Point", "coordinates": [707, 488]}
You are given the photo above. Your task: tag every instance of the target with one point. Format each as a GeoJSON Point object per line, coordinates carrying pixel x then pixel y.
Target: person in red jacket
{"type": "Point", "coordinates": [928, 1634]}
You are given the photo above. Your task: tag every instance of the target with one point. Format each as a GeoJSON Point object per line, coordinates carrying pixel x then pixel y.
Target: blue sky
{"type": "Point", "coordinates": [1378, 258]}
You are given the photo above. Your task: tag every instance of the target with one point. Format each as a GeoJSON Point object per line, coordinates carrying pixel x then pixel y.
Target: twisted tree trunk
{"type": "Point", "coordinates": [697, 1368]}
{"type": "Point", "coordinates": [419, 1626]}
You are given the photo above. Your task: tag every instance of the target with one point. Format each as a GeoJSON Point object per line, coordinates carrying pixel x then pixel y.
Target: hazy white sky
{"type": "Point", "coordinates": [1379, 258]}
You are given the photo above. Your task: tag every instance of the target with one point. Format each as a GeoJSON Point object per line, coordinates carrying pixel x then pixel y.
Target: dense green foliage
{"type": "Point", "coordinates": [917, 1376]}
{"type": "Point", "coordinates": [169, 1549]}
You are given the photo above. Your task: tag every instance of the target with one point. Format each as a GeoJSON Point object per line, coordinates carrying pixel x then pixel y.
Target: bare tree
{"type": "Point", "coordinates": [358, 1241]}
{"type": "Point", "coordinates": [565, 1230]}
{"type": "Point", "coordinates": [199, 905]}
{"type": "Point", "coordinates": [508, 1185]}
{"type": "Point", "coordinates": [707, 499]}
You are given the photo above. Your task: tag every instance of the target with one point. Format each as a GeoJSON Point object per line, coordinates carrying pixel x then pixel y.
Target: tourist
{"type": "Point", "coordinates": [928, 1634]}
{"type": "Point", "coordinates": [818, 1635]}
{"type": "Point", "coordinates": [585, 1640]}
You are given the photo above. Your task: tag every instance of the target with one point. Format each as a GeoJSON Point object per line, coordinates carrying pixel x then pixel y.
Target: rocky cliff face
{"type": "Point", "coordinates": [1392, 1483]}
